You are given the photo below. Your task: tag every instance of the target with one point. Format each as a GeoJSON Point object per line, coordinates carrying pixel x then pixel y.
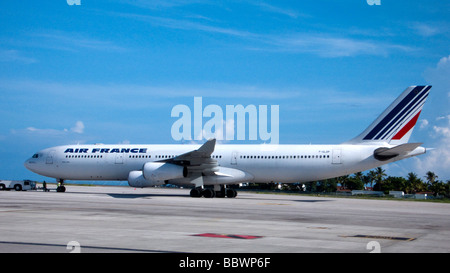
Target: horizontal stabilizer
{"type": "Point", "coordinates": [388, 153]}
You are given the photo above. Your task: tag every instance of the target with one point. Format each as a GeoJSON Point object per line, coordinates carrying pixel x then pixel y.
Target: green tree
{"type": "Point", "coordinates": [366, 179]}
{"type": "Point", "coordinates": [379, 175]}
{"type": "Point", "coordinates": [342, 180]}
{"type": "Point", "coordinates": [371, 177]}
{"type": "Point", "coordinates": [433, 184]}
{"type": "Point", "coordinates": [415, 184]}
{"type": "Point", "coordinates": [355, 182]}
{"type": "Point", "coordinates": [327, 185]}
{"type": "Point", "coordinates": [447, 189]}
{"type": "Point", "coordinates": [331, 185]}
{"type": "Point", "coordinates": [312, 186]}
{"type": "Point", "coordinates": [431, 177]}
{"type": "Point", "coordinates": [394, 183]}
{"type": "Point", "coordinates": [438, 188]}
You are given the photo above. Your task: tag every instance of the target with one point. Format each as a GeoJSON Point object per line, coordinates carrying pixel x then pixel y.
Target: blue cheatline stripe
{"type": "Point", "coordinates": [413, 106]}
{"type": "Point", "coordinates": [405, 113]}
{"type": "Point", "coordinates": [417, 105]}
{"type": "Point", "coordinates": [393, 113]}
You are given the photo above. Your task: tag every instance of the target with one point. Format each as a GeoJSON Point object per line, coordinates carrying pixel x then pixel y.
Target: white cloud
{"type": "Point", "coordinates": [440, 75]}
{"type": "Point", "coordinates": [278, 10]}
{"type": "Point", "coordinates": [324, 44]}
{"type": "Point", "coordinates": [438, 159]}
{"type": "Point", "coordinates": [423, 123]}
{"type": "Point", "coordinates": [71, 41]}
{"type": "Point", "coordinates": [426, 30]}
{"type": "Point", "coordinates": [79, 127]}
{"type": "Point", "coordinates": [327, 45]}
{"type": "Point", "coordinates": [443, 62]}
{"type": "Point", "coordinates": [438, 123]}
{"type": "Point", "coordinates": [12, 55]}
{"type": "Point", "coordinates": [225, 127]}
{"type": "Point", "coordinates": [442, 131]}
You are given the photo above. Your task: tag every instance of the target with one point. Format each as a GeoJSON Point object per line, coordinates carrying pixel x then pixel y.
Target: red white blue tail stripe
{"type": "Point", "coordinates": [398, 120]}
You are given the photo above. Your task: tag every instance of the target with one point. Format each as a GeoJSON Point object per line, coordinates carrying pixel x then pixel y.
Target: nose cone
{"type": "Point", "coordinates": [30, 164]}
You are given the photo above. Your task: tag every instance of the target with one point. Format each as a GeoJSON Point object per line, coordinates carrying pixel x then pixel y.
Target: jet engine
{"type": "Point", "coordinates": [155, 173]}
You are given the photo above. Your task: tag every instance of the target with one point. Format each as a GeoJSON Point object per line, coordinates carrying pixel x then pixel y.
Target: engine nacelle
{"type": "Point", "coordinates": [156, 171]}
{"type": "Point", "coordinates": [136, 179]}
{"type": "Point", "coordinates": [225, 175]}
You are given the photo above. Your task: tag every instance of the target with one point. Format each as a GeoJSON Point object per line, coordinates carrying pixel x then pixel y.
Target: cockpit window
{"type": "Point", "coordinates": [35, 156]}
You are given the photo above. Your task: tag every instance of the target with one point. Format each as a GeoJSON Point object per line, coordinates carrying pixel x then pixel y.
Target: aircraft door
{"type": "Point", "coordinates": [119, 158]}
{"type": "Point", "coordinates": [336, 157]}
{"type": "Point", "coordinates": [234, 156]}
{"type": "Point", "coordinates": [49, 159]}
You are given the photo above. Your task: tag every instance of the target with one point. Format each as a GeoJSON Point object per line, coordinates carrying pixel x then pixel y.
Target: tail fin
{"type": "Point", "coordinates": [397, 122]}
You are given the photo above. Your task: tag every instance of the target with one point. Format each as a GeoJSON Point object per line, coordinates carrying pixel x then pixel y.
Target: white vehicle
{"type": "Point", "coordinates": [384, 141]}
{"type": "Point", "coordinates": [23, 185]}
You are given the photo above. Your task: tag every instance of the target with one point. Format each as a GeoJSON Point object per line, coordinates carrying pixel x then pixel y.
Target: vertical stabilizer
{"type": "Point", "coordinates": [396, 123]}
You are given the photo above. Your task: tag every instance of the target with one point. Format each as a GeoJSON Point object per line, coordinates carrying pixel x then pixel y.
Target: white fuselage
{"type": "Point", "coordinates": [264, 163]}
{"type": "Point", "coordinates": [384, 141]}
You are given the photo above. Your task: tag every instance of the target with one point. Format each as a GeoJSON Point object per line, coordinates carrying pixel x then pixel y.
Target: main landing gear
{"type": "Point", "coordinates": [210, 193]}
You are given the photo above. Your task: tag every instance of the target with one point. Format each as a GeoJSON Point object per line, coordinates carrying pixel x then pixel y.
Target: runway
{"type": "Point", "coordinates": [155, 220]}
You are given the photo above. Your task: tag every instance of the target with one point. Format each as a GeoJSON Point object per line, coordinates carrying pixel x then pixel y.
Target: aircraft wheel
{"type": "Point", "coordinates": [231, 193]}
{"type": "Point", "coordinates": [220, 194]}
{"type": "Point", "coordinates": [195, 192]}
{"type": "Point", "coordinates": [208, 193]}
{"type": "Point", "coordinates": [61, 189]}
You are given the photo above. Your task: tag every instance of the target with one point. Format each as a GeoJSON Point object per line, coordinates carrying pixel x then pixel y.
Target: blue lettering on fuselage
{"type": "Point", "coordinates": [106, 150]}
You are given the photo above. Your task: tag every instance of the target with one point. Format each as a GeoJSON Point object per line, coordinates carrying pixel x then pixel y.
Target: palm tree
{"type": "Point", "coordinates": [359, 176]}
{"type": "Point", "coordinates": [379, 175]}
{"type": "Point", "coordinates": [431, 177]}
{"type": "Point", "coordinates": [415, 184]}
{"type": "Point", "coordinates": [343, 181]}
{"type": "Point", "coordinates": [434, 185]}
{"type": "Point", "coordinates": [371, 177]}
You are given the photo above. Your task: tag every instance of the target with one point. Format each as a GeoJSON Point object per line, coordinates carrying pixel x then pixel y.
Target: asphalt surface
{"type": "Point", "coordinates": [154, 220]}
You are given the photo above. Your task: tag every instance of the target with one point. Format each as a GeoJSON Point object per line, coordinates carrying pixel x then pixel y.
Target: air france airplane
{"type": "Point", "coordinates": [384, 141]}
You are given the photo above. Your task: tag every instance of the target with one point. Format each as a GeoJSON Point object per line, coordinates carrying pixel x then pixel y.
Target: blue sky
{"type": "Point", "coordinates": [111, 71]}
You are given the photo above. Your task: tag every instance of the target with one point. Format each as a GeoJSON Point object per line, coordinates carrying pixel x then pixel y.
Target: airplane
{"type": "Point", "coordinates": [211, 168]}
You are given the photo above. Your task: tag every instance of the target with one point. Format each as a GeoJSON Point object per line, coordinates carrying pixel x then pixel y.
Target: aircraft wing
{"type": "Point", "coordinates": [388, 153]}
{"type": "Point", "coordinates": [196, 157]}
{"type": "Point", "coordinates": [199, 156]}
{"type": "Point", "coordinates": [198, 162]}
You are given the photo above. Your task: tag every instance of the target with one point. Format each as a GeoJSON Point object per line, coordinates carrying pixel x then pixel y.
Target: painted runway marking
{"type": "Point", "coordinates": [381, 237]}
{"type": "Point", "coordinates": [229, 236]}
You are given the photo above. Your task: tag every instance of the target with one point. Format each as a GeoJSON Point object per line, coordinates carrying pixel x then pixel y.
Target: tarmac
{"type": "Point", "coordinates": [105, 219]}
